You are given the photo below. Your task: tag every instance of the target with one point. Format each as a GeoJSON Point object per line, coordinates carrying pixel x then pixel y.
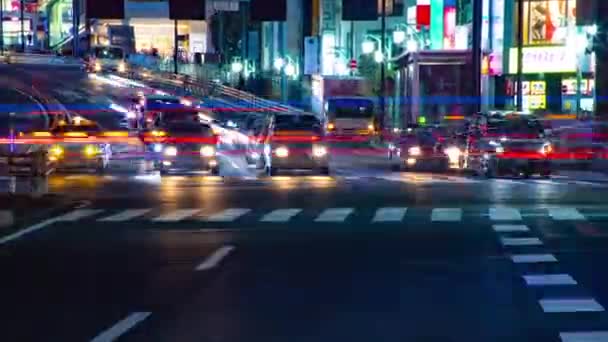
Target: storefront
{"type": "Point", "coordinates": [554, 59]}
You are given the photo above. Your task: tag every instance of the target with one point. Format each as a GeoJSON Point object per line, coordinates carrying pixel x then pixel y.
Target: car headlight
{"type": "Point", "coordinates": [331, 126]}
{"type": "Point", "coordinates": [171, 151]}
{"type": "Point", "coordinates": [453, 153]}
{"type": "Point", "coordinates": [56, 151]}
{"type": "Point", "coordinates": [499, 149]}
{"type": "Point", "coordinates": [91, 150]}
{"type": "Point", "coordinates": [207, 151]}
{"type": "Point", "coordinates": [122, 67]}
{"type": "Point", "coordinates": [414, 151]}
{"type": "Point", "coordinates": [546, 149]}
{"type": "Point", "coordinates": [370, 127]}
{"type": "Point", "coordinates": [158, 148]}
{"type": "Point", "coordinates": [281, 152]}
{"type": "Point", "coordinates": [131, 115]}
{"type": "Point", "coordinates": [319, 151]}
{"type": "Point", "coordinates": [97, 66]}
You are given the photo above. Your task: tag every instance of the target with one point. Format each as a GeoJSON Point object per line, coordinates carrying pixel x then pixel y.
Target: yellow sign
{"type": "Point", "coordinates": [544, 59]}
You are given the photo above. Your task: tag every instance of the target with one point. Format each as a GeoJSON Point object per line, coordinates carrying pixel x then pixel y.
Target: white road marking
{"type": "Point", "coordinates": [545, 182]}
{"type": "Point", "coordinates": [227, 215]}
{"type": "Point", "coordinates": [389, 215]}
{"type": "Point", "coordinates": [177, 215]}
{"type": "Point", "coordinates": [584, 336]}
{"type": "Point", "coordinates": [508, 228]}
{"type": "Point", "coordinates": [549, 279]}
{"type": "Point", "coordinates": [566, 214]}
{"type": "Point", "coordinates": [521, 241]}
{"type": "Point", "coordinates": [504, 214]}
{"type": "Point", "coordinates": [122, 327]}
{"type": "Point", "coordinates": [508, 181]}
{"type": "Point", "coordinates": [126, 215]}
{"type": "Point", "coordinates": [570, 305]}
{"type": "Point", "coordinates": [446, 215]}
{"type": "Point", "coordinates": [26, 231]}
{"type": "Point", "coordinates": [78, 214]}
{"type": "Point", "coordinates": [280, 215]}
{"type": "Point", "coordinates": [215, 258]}
{"type": "Point", "coordinates": [334, 215]}
{"type": "Point", "coordinates": [532, 258]}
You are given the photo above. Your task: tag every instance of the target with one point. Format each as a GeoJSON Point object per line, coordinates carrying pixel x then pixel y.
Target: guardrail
{"type": "Point", "coordinates": [41, 59]}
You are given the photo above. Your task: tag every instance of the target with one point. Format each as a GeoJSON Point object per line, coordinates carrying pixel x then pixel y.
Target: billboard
{"type": "Point", "coordinates": [544, 59]}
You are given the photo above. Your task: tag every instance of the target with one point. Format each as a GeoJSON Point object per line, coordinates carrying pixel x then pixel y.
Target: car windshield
{"type": "Point", "coordinates": [188, 127]}
{"type": "Point", "coordinates": [351, 108]}
{"type": "Point", "coordinates": [108, 52]}
{"type": "Point", "coordinates": [517, 126]}
{"type": "Point", "coordinates": [297, 123]}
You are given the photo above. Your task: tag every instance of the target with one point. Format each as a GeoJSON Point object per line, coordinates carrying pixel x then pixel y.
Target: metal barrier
{"type": "Point", "coordinates": [44, 59]}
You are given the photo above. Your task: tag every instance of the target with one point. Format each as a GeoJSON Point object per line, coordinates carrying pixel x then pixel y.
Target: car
{"type": "Point", "coordinates": [187, 146]}
{"type": "Point", "coordinates": [513, 144]}
{"type": "Point", "coordinates": [155, 105]}
{"type": "Point", "coordinates": [420, 148]}
{"type": "Point", "coordinates": [295, 142]}
{"type": "Point", "coordinates": [77, 147]}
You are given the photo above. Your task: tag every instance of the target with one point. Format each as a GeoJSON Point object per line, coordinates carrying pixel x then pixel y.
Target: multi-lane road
{"type": "Point", "coordinates": [362, 255]}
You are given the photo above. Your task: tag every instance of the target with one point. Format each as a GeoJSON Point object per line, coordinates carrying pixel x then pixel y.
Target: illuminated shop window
{"type": "Point", "coordinates": [546, 21]}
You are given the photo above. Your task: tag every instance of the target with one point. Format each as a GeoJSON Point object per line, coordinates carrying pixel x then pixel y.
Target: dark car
{"type": "Point", "coordinates": [295, 142]}
{"type": "Point", "coordinates": [508, 145]}
{"type": "Point", "coordinates": [187, 146]}
{"type": "Point", "coordinates": [419, 149]}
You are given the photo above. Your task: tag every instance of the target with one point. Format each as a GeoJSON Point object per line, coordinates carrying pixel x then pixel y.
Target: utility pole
{"type": "Point", "coordinates": [21, 16]}
{"type": "Point", "coordinates": [477, 53]}
{"type": "Point", "coordinates": [2, 27]}
{"type": "Point", "coordinates": [383, 67]}
{"type": "Point", "coordinates": [75, 27]}
{"type": "Point", "coordinates": [520, 56]}
{"type": "Point", "coordinates": [175, 49]}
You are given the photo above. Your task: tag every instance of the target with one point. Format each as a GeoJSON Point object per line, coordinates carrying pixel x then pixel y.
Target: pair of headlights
{"type": "Point", "coordinates": [88, 150]}
{"type": "Point", "coordinates": [171, 151]}
{"type": "Point", "coordinates": [318, 151]}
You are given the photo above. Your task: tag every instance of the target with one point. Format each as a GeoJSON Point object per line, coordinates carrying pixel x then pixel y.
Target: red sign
{"type": "Point", "coordinates": [423, 15]}
{"type": "Point", "coordinates": [352, 64]}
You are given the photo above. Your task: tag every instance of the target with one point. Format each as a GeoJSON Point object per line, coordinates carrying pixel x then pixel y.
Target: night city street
{"type": "Point", "coordinates": [297, 170]}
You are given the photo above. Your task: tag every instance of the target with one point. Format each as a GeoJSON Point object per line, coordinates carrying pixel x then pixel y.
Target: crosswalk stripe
{"type": "Point", "coordinates": [549, 279]}
{"type": "Point", "coordinates": [446, 215]}
{"type": "Point", "coordinates": [566, 214]}
{"type": "Point", "coordinates": [177, 215]}
{"type": "Point", "coordinates": [389, 215]}
{"type": "Point", "coordinates": [532, 258]}
{"type": "Point", "coordinates": [504, 214]}
{"type": "Point", "coordinates": [280, 215]}
{"type": "Point", "coordinates": [508, 228]}
{"type": "Point", "coordinates": [227, 215]}
{"type": "Point", "coordinates": [78, 214]}
{"type": "Point", "coordinates": [521, 241]}
{"type": "Point", "coordinates": [126, 215]}
{"type": "Point", "coordinates": [334, 215]}
{"type": "Point", "coordinates": [570, 305]}
{"type": "Point", "coordinates": [584, 336]}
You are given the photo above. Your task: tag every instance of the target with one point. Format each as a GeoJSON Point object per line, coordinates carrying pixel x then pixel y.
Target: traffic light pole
{"type": "Point", "coordinates": [175, 48]}
{"type": "Point", "coordinates": [2, 27]}
{"type": "Point", "coordinates": [383, 67]}
{"type": "Point", "coordinates": [520, 59]}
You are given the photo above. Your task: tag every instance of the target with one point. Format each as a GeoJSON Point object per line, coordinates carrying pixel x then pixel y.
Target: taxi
{"type": "Point", "coordinates": [77, 146]}
{"type": "Point", "coordinates": [508, 144]}
{"type": "Point", "coordinates": [295, 142]}
{"type": "Point", "coordinates": [185, 146]}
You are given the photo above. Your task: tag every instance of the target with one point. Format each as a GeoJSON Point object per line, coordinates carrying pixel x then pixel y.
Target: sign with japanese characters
{"type": "Point", "coordinates": [545, 59]}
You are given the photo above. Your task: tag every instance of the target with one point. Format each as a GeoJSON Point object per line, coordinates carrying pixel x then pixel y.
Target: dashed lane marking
{"type": "Point", "coordinates": [584, 336]}
{"type": "Point", "coordinates": [549, 279]}
{"type": "Point", "coordinates": [177, 215]}
{"type": "Point", "coordinates": [78, 214]}
{"type": "Point", "coordinates": [532, 258]}
{"type": "Point", "coordinates": [511, 242]}
{"type": "Point", "coordinates": [509, 228]}
{"type": "Point", "coordinates": [228, 215]}
{"type": "Point", "coordinates": [215, 258]}
{"type": "Point", "coordinates": [126, 215]}
{"type": "Point", "coordinates": [566, 214]}
{"type": "Point", "coordinates": [389, 215]}
{"type": "Point", "coordinates": [122, 327]}
{"type": "Point", "coordinates": [334, 215]}
{"type": "Point", "coordinates": [446, 215]}
{"type": "Point", "coordinates": [570, 305]}
{"type": "Point", "coordinates": [280, 215]}
{"type": "Point", "coordinates": [504, 214]}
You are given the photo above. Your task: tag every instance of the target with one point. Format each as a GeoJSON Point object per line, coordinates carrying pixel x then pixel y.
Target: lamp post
{"type": "Point", "coordinates": [2, 27]}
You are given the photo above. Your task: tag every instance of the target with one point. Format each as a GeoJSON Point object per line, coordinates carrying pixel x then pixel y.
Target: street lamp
{"type": "Point", "coordinates": [411, 45]}
{"type": "Point", "coordinates": [237, 67]}
{"type": "Point", "coordinates": [398, 36]}
{"type": "Point", "coordinates": [378, 56]}
{"type": "Point", "coordinates": [279, 63]}
{"type": "Point", "coordinates": [290, 70]}
{"type": "Point", "coordinates": [368, 47]}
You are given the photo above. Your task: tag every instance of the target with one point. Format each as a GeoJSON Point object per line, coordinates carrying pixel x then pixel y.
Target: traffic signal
{"type": "Point", "coordinates": [187, 9]}
{"type": "Point", "coordinates": [268, 10]}
{"type": "Point", "coordinates": [106, 9]}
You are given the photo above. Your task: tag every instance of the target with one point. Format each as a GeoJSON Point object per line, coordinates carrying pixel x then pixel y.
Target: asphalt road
{"type": "Point", "coordinates": [362, 255]}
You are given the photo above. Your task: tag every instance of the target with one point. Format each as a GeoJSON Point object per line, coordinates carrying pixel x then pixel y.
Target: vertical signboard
{"type": "Point", "coordinates": [436, 24]}
{"type": "Point", "coordinates": [311, 55]}
{"type": "Point", "coordinates": [449, 28]}
{"type": "Point", "coordinates": [423, 13]}
{"type": "Point", "coordinates": [328, 36]}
